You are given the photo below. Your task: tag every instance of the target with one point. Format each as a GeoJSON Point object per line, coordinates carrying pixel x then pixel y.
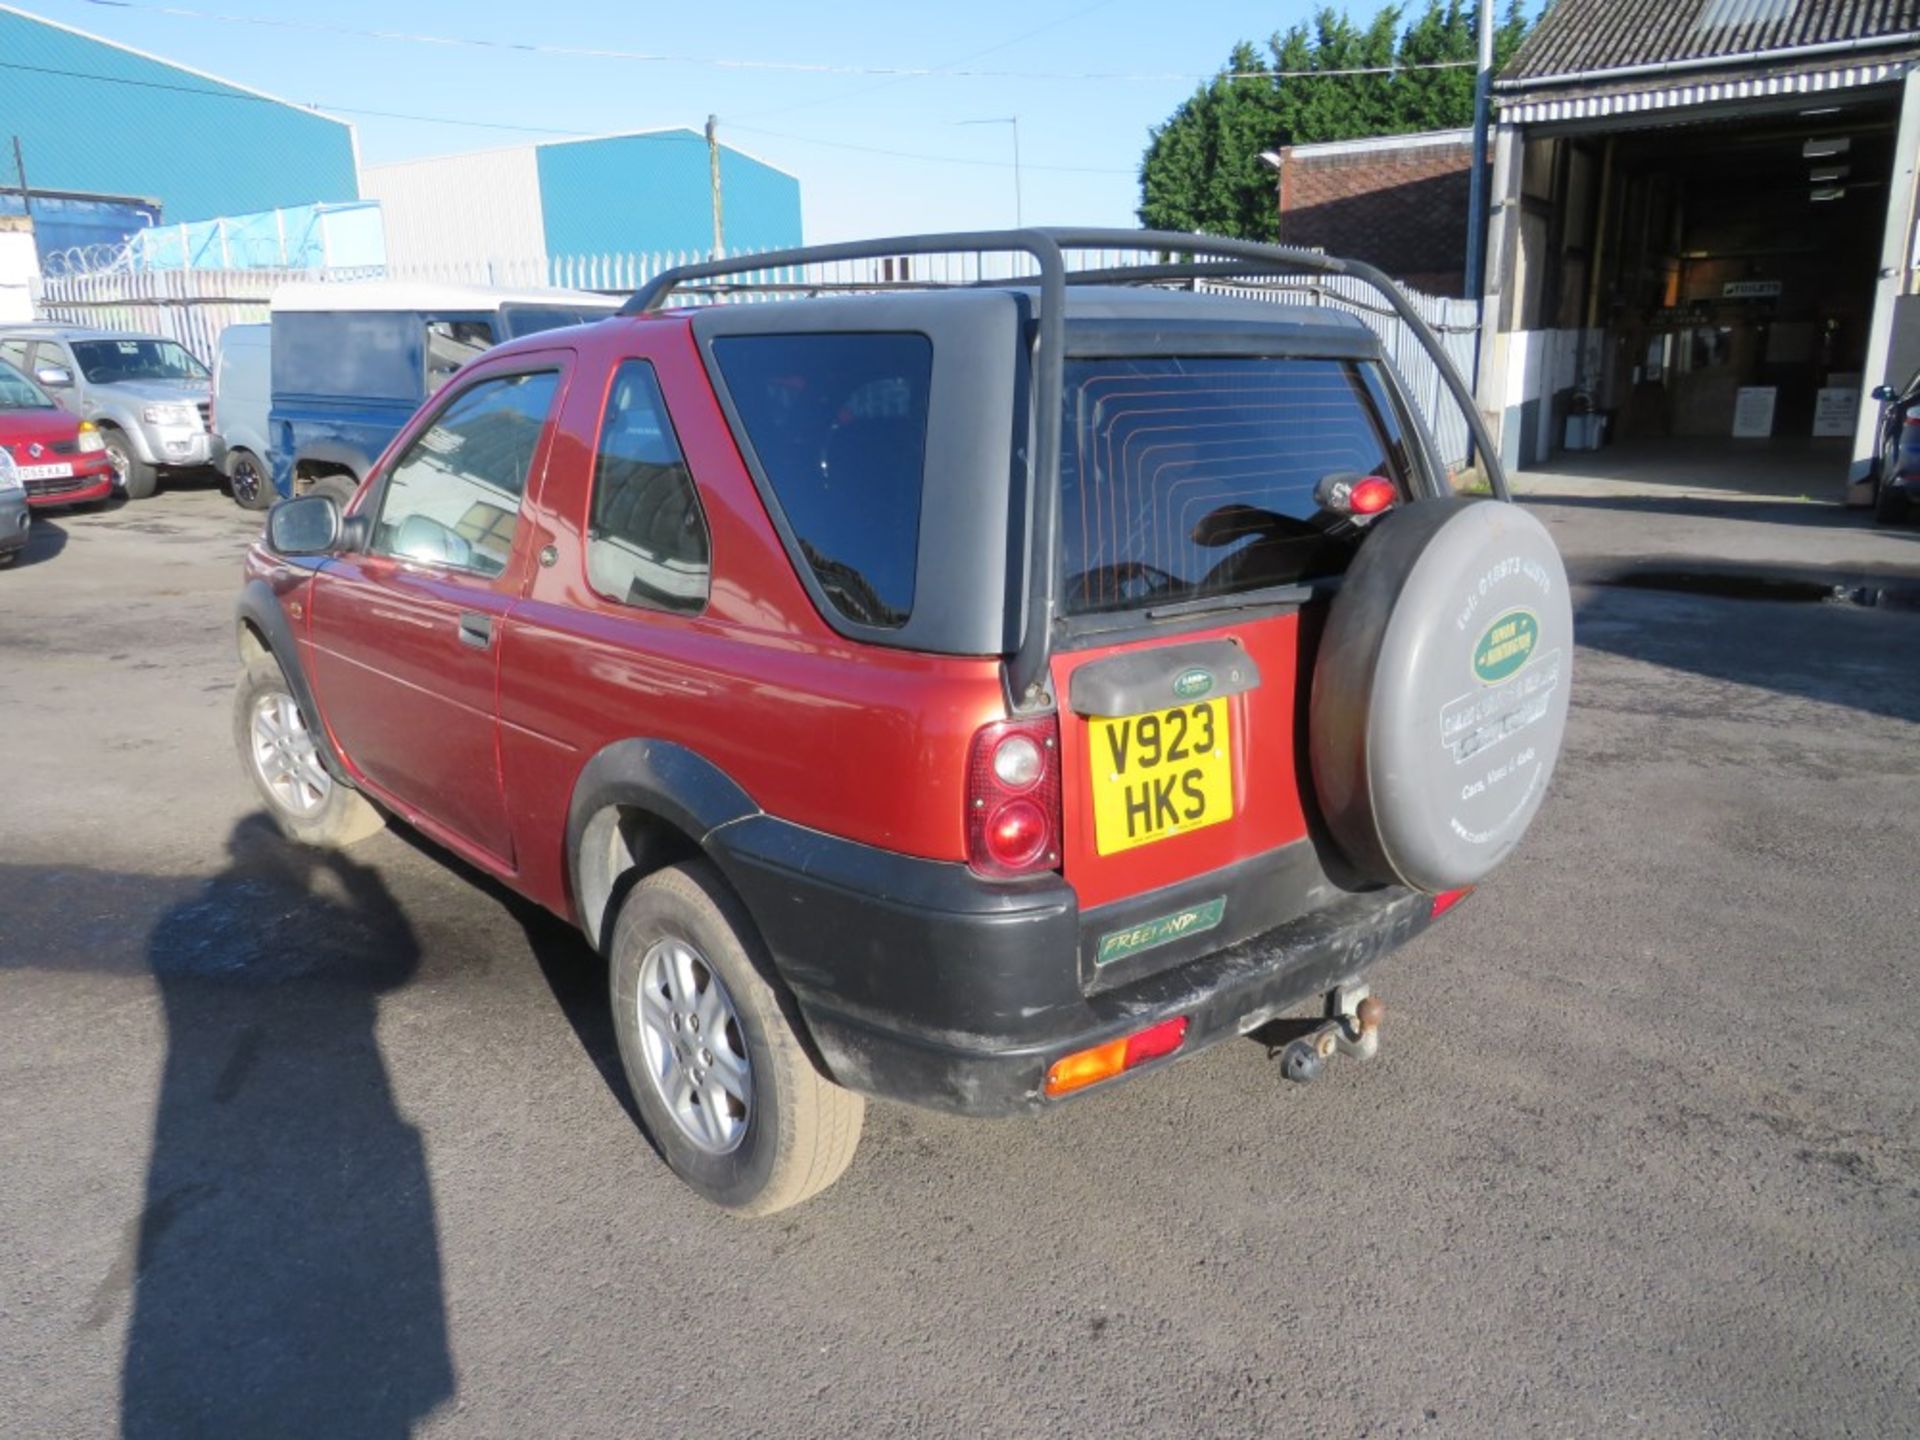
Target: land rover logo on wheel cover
{"type": "Point", "coordinates": [1192, 684]}
{"type": "Point", "coordinates": [1505, 645]}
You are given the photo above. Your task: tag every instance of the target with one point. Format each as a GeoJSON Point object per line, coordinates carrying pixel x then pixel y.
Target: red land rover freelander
{"type": "Point", "coordinates": [963, 694]}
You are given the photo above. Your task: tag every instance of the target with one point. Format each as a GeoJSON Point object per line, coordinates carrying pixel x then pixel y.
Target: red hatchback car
{"type": "Point", "coordinates": [963, 695]}
{"type": "Point", "coordinates": [60, 459]}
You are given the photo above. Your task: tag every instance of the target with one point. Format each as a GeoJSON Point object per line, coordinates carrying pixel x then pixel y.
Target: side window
{"type": "Point", "coordinates": [647, 536]}
{"type": "Point", "coordinates": [838, 423]}
{"type": "Point", "coordinates": [14, 352]}
{"type": "Point", "coordinates": [453, 498]}
{"type": "Point", "coordinates": [48, 352]}
{"type": "Point", "coordinates": [451, 344]}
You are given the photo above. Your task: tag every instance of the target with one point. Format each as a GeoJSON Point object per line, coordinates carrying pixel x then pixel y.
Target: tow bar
{"type": "Point", "coordinates": [1352, 1028]}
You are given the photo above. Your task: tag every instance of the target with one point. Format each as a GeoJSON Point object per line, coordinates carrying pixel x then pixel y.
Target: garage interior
{"type": "Point", "coordinates": [1670, 266]}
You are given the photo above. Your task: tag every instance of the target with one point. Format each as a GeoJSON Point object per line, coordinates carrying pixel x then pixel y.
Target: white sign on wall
{"type": "Point", "coordinates": [1750, 290]}
{"type": "Point", "coordinates": [1753, 412]}
{"type": "Point", "coordinates": [1835, 410]}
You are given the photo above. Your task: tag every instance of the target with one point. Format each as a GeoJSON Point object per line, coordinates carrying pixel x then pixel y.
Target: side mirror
{"type": "Point", "coordinates": [54, 377]}
{"type": "Point", "coordinates": [304, 525]}
{"type": "Point", "coordinates": [1884, 393]}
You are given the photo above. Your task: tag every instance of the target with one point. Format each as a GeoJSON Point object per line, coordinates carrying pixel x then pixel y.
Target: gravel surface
{"type": "Point", "coordinates": [304, 1145]}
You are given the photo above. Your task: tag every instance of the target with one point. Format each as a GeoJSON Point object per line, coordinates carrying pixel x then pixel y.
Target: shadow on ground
{"type": "Point", "coordinates": [46, 539]}
{"type": "Point", "coordinates": [1861, 658]}
{"type": "Point", "coordinates": [1709, 507]}
{"type": "Point", "coordinates": [283, 1275]}
{"type": "Point", "coordinates": [574, 971]}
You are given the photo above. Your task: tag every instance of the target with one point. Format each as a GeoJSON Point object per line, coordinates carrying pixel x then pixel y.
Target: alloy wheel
{"type": "Point", "coordinates": [285, 758]}
{"type": "Point", "coordinates": [245, 479]}
{"type": "Point", "coordinates": [696, 1053]}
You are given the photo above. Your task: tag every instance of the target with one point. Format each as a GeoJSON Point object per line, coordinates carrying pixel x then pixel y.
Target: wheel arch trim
{"type": "Point", "coordinates": [674, 785]}
{"type": "Point", "coordinates": [258, 609]}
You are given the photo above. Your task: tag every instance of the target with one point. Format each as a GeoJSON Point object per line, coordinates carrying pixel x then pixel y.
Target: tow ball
{"type": "Point", "coordinates": [1352, 1028]}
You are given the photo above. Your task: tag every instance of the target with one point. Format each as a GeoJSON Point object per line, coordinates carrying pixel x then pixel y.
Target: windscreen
{"type": "Point", "coordinates": [111, 362]}
{"type": "Point", "coordinates": [1184, 478]}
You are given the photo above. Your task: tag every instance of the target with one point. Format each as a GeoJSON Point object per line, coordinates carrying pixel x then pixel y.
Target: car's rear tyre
{"type": "Point", "coordinates": [137, 478]}
{"type": "Point", "coordinates": [248, 481]}
{"type": "Point", "coordinates": [1440, 692]}
{"type": "Point", "coordinates": [338, 488]}
{"type": "Point", "coordinates": [1890, 505]}
{"type": "Point", "coordinates": [712, 1051]}
{"type": "Point", "coordinates": [281, 758]}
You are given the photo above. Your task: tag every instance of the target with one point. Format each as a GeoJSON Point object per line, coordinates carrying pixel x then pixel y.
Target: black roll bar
{"type": "Point", "coordinates": [1199, 257]}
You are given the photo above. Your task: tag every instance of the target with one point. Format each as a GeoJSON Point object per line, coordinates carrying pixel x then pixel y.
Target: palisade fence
{"type": "Point", "coordinates": [195, 306]}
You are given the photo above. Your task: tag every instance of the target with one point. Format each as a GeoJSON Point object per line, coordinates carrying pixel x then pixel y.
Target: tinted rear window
{"type": "Point", "coordinates": [838, 424]}
{"type": "Point", "coordinates": [1185, 478]}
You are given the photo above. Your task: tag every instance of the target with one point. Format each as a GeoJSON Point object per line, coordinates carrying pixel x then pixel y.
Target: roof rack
{"type": "Point", "coordinates": [1177, 256]}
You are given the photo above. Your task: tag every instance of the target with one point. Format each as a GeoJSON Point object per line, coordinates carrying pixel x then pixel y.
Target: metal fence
{"type": "Point", "coordinates": [194, 306]}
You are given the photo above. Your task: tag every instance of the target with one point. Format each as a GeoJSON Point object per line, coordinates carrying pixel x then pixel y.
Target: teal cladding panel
{"type": "Point", "coordinates": [628, 194]}
{"type": "Point", "coordinates": [95, 118]}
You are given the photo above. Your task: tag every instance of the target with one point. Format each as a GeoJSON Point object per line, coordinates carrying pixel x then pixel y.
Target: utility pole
{"type": "Point", "coordinates": [1019, 218]}
{"type": "Point", "coordinates": [1477, 191]}
{"type": "Point", "coordinates": [20, 169]}
{"type": "Point", "coordinates": [713, 179]}
{"type": "Point", "coordinates": [1477, 195]}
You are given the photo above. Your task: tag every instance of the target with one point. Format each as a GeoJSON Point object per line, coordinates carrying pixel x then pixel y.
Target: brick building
{"type": "Point", "coordinates": [1396, 201]}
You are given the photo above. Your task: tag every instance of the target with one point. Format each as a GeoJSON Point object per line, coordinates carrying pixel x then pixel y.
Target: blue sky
{"type": "Point", "coordinates": [1080, 139]}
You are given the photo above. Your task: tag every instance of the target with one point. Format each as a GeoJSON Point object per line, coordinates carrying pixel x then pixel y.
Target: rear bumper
{"type": "Point", "coordinates": [918, 982]}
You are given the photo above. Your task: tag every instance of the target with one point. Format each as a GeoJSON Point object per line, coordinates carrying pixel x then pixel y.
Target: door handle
{"type": "Point", "coordinates": [476, 629]}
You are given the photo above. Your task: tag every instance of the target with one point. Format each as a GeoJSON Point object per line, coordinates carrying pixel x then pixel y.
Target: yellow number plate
{"type": "Point", "coordinates": [1160, 774]}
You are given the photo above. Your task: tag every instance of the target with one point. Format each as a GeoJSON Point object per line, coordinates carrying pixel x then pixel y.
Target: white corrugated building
{"type": "Point", "coordinates": [645, 192]}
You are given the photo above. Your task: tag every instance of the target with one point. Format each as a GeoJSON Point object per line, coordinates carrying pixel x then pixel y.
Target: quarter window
{"type": "Point", "coordinates": [838, 423]}
{"type": "Point", "coordinates": [453, 499]}
{"type": "Point", "coordinates": [647, 539]}
{"type": "Point", "coordinates": [48, 353]}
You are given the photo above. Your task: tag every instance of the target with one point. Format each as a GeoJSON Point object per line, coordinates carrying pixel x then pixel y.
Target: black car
{"type": "Point", "coordinates": [1896, 481]}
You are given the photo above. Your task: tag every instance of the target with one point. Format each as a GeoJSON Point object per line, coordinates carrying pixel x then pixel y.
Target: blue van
{"type": "Point", "coordinates": [353, 361]}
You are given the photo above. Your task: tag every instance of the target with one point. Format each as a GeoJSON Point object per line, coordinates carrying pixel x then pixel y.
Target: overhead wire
{"type": "Point", "coordinates": [324, 108]}
{"type": "Point", "coordinates": [805, 67]}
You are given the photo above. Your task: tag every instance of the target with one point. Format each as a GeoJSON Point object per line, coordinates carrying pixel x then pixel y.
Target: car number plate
{"type": "Point", "coordinates": [1159, 774]}
{"type": "Point", "coordinates": [46, 472]}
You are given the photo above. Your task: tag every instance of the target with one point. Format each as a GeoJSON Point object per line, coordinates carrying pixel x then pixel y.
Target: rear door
{"type": "Point", "coordinates": [1200, 525]}
{"type": "Point", "coordinates": [406, 632]}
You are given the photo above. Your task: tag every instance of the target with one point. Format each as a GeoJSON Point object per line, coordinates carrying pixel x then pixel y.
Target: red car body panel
{"type": "Point", "coordinates": [22, 430]}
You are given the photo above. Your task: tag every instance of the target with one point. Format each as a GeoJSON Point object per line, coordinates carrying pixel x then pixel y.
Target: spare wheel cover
{"type": "Point", "coordinates": [1440, 692]}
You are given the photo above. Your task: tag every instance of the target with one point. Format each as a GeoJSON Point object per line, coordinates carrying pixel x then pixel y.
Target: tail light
{"type": "Point", "coordinates": [1360, 497]}
{"type": "Point", "coordinates": [1013, 798]}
